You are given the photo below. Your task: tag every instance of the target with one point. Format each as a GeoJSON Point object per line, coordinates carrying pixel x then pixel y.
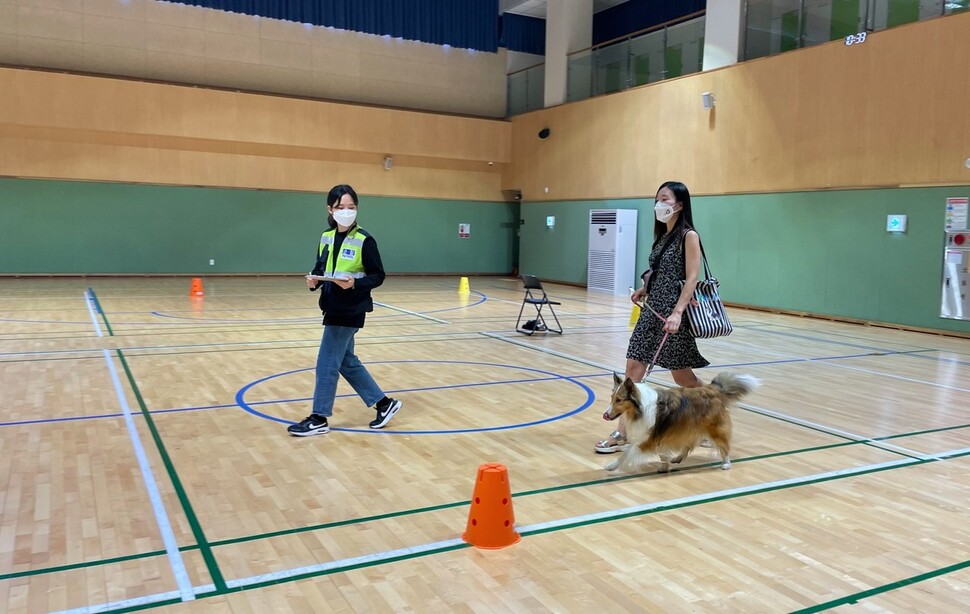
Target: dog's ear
{"type": "Point", "coordinates": [616, 381]}
{"type": "Point", "coordinates": [629, 386]}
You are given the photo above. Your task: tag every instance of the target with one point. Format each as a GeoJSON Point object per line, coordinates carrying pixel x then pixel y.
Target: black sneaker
{"type": "Point", "coordinates": [384, 415]}
{"type": "Point", "coordinates": [311, 425]}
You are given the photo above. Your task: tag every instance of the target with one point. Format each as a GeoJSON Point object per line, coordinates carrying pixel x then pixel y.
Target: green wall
{"type": "Point", "coordinates": [86, 227]}
{"type": "Point", "coordinates": [818, 252]}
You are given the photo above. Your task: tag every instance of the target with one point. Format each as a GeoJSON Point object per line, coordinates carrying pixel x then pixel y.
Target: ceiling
{"type": "Point", "coordinates": [537, 8]}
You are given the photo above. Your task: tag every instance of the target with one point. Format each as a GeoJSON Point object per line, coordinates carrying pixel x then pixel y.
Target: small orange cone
{"type": "Point", "coordinates": [491, 523]}
{"type": "Point", "coordinates": [196, 289]}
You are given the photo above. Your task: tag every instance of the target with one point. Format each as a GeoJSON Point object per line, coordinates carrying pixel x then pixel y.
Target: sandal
{"type": "Point", "coordinates": [614, 442]}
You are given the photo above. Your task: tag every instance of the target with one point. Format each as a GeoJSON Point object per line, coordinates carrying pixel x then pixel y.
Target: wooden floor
{"type": "Point", "coordinates": [144, 460]}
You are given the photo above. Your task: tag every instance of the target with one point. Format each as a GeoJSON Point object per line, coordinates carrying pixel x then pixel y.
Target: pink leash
{"type": "Point", "coordinates": [662, 341]}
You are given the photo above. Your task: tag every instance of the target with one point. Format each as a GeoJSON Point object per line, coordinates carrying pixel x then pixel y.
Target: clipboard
{"type": "Point", "coordinates": [330, 277]}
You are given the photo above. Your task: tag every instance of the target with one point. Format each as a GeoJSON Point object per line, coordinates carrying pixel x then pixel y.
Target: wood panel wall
{"type": "Point", "coordinates": [67, 126]}
{"type": "Point", "coordinates": [889, 112]}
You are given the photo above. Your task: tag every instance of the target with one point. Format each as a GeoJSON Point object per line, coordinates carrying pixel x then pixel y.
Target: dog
{"type": "Point", "coordinates": [673, 421]}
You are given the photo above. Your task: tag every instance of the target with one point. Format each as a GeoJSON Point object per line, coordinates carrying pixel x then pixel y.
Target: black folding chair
{"type": "Point", "coordinates": [532, 291]}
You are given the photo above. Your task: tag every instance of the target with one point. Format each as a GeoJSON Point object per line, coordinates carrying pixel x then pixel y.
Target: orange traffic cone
{"type": "Point", "coordinates": [196, 289]}
{"type": "Point", "coordinates": [490, 520]}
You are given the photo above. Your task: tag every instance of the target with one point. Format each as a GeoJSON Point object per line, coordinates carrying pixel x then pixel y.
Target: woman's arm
{"type": "Point", "coordinates": [692, 262]}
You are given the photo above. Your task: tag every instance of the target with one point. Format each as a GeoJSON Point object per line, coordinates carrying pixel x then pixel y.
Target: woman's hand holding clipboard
{"type": "Point", "coordinates": [343, 280]}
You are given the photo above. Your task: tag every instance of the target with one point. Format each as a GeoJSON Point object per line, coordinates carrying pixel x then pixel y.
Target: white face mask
{"type": "Point", "coordinates": [344, 217]}
{"type": "Point", "coordinates": [663, 211]}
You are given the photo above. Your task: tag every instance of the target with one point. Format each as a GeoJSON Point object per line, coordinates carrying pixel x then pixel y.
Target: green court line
{"type": "Point", "coordinates": [193, 520]}
{"type": "Point", "coordinates": [207, 556]}
{"type": "Point", "coordinates": [397, 514]}
{"type": "Point", "coordinates": [316, 574]}
{"type": "Point", "coordinates": [856, 597]}
{"type": "Point", "coordinates": [524, 493]}
{"type": "Point", "coordinates": [676, 506]}
{"type": "Point", "coordinates": [98, 563]}
{"type": "Point", "coordinates": [104, 316]}
{"type": "Point", "coordinates": [222, 589]}
{"type": "Point", "coordinates": [432, 508]}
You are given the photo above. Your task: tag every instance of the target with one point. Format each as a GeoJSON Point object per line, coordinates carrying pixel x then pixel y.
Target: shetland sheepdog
{"type": "Point", "coordinates": [672, 421]}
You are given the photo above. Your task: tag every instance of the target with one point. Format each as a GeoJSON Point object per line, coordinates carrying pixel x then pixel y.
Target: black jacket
{"type": "Point", "coordinates": [347, 307]}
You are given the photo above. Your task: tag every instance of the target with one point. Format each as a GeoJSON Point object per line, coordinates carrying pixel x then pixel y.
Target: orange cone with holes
{"type": "Point", "coordinates": [491, 523]}
{"type": "Point", "coordinates": [196, 288]}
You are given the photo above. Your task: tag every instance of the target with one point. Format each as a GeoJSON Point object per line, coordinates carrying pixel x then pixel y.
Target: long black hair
{"type": "Point", "coordinates": [685, 220]}
{"type": "Point", "coordinates": [336, 193]}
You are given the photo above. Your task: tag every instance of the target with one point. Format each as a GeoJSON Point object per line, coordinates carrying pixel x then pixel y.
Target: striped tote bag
{"type": "Point", "coordinates": [705, 312]}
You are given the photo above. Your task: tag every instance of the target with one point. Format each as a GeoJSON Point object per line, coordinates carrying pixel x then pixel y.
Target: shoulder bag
{"type": "Point", "coordinates": [705, 313]}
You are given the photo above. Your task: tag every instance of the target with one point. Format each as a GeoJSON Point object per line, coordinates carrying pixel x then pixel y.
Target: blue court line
{"type": "Point", "coordinates": [590, 397]}
{"type": "Point", "coordinates": [818, 339]}
{"type": "Point", "coordinates": [181, 319]}
{"type": "Point", "coordinates": [503, 382]}
{"type": "Point", "coordinates": [833, 334]}
{"type": "Point", "coordinates": [296, 400]}
{"type": "Point", "coordinates": [940, 359]}
{"type": "Point", "coordinates": [307, 318]}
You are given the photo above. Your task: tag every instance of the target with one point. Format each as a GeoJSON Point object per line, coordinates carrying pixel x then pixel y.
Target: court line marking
{"type": "Point", "coordinates": [94, 319]}
{"type": "Point", "coordinates": [390, 556]}
{"type": "Point", "coordinates": [210, 562]}
{"type": "Point", "coordinates": [348, 395]}
{"type": "Point", "coordinates": [885, 588]}
{"type": "Point", "coordinates": [591, 363]}
{"type": "Point", "coordinates": [860, 369]}
{"type": "Point", "coordinates": [161, 516]}
{"type": "Point", "coordinates": [874, 441]}
{"type": "Point", "coordinates": [412, 313]}
{"type": "Point", "coordinates": [772, 414]}
{"type": "Point", "coordinates": [443, 506]}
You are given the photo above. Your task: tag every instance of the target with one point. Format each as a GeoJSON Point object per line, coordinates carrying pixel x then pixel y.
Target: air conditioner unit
{"type": "Point", "coordinates": [611, 266]}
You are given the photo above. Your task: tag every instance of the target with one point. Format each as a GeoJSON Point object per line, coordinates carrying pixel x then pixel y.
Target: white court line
{"type": "Point", "coordinates": [413, 313]}
{"type": "Point", "coordinates": [900, 377]}
{"type": "Point", "coordinates": [828, 363]}
{"type": "Point", "coordinates": [767, 412]}
{"type": "Point", "coordinates": [344, 563]}
{"type": "Point", "coordinates": [161, 517]}
{"type": "Point", "coordinates": [94, 320]}
{"type": "Point", "coordinates": [834, 431]}
{"type": "Point", "coordinates": [135, 602]}
{"type": "Point", "coordinates": [351, 563]}
{"type": "Point", "coordinates": [553, 352]}
{"type": "Point", "coordinates": [711, 496]}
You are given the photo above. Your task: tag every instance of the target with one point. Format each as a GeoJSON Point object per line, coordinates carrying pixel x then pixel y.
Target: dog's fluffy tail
{"type": "Point", "coordinates": [735, 386]}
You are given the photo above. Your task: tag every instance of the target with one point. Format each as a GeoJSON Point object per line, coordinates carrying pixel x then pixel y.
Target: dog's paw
{"type": "Point", "coordinates": [726, 465]}
{"type": "Point", "coordinates": [663, 468]}
{"type": "Point", "coordinates": [612, 466]}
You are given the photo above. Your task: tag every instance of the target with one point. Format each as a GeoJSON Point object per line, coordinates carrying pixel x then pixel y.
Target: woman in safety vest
{"type": "Point", "coordinates": [348, 267]}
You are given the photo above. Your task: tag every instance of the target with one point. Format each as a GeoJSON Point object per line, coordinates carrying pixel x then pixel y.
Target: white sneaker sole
{"type": "Point", "coordinates": [395, 407]}
{"type": "Point", "coordinates": [320, 431]}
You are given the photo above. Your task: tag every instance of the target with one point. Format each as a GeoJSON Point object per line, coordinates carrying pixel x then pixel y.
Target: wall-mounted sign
{"type": "Point", "coordinates": [956, 213]}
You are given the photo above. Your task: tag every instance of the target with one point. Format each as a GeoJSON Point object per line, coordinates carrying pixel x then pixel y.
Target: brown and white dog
{"type": "Point", "coordinates": [673, 421]}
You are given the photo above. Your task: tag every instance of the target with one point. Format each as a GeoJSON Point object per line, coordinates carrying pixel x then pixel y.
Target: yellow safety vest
{"type": "Point", "coordinates": [350, 259]}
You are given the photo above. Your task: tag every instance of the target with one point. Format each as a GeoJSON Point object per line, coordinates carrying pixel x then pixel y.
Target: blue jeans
{"type": "Point", "coordinates": [337, 358]}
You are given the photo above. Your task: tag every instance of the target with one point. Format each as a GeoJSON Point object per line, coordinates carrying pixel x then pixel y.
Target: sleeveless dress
{"type": "Point", "coordinates": [680, 350]}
